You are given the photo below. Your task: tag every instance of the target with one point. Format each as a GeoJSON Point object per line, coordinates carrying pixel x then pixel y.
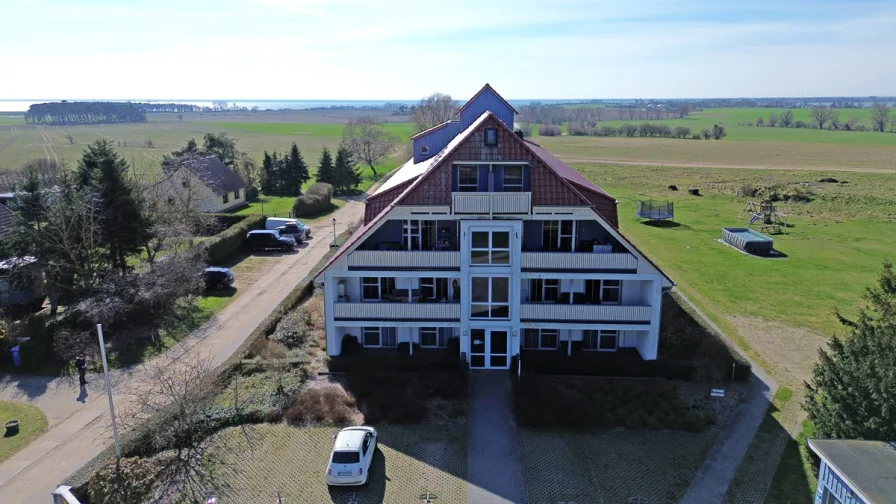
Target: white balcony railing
{"type": "Point", "coordinates": [491, 202]}
{"type": "Point", "coordinates": [596, 313]}
{"type": "Point", "coordinates": [404, 259]}
{"type": "Point", "coordinates": [397, 311]}
{"type": "Point", "coordinates": [579, 260]}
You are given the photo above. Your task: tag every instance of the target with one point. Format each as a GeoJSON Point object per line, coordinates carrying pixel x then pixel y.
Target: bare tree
{"type": "Point", "coordinates": [620, 113]}
{"type": "Point", "coordinates": [880, 116]}
{"type": "Point", "coordinates": [850, 124]}
{"type": "Point", "coordinates": [597, 112]}
{"type": "Point", "coordinates": [631, 112]}
{"type": "Point", "coordinates": [835, 120]}
{"type": "Point", "coordinates": [718, 131]}
{"type": "Point", "coordinates": [368, 141]}
{"type": "Point", "coordinates": [821, 114]}
{"type": "Point", "coordinates": [70, 138]}
{"type": "Point", "coordinates": [787, 118]}
{"type": "Point", "coordinates": [148, 143]}
{"type": "Point", "coordinates": [683, 110]}
{"type": "Point", "coordinates": [760, 121]}
{"type": "Point", "coordinates": [772, 119]}
{"type": "Point", "coordinates": [433, 110]}
{"type": "Point", "coordinates": [174, 412]}
{"type": "Point", "coordinates": [180, 117]}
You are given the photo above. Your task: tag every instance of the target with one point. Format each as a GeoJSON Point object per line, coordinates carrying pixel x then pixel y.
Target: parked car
{"type": "Point", "coordinates": [265, 239]}
{"type": "Point", "coordinates": [305, 228]}
{"type": "Point", "coordinates": [287, 227]}
{"type": "Point", "coordinates": [351, 456]}
{"type": "Point", "coordinates": [218, 278]}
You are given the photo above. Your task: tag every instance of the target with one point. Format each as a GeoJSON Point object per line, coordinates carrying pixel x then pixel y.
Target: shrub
{"type": "Point", "coordinates": [682, 132]}
{"type": "Point", "coordinates": [549, 130]}
{"type": "Point", "coordinates": [293, 329]}
{"type": "Point", "coordinates": [131, 481]}
{"type": "Point", "coordinates": [628, 130]}
{"type": "Point", "coordinates": [706, 133]}
{"type": "Point", "coordinates": [606, 131]}
{"type": "Point", "coordinates": [224, 244]}
{"type": "Point", "coordinates": [396, 405]}
{"type": "Point", "coordinates": [748, 190]}
{"type": "Point", "coordinates": [696, 136]}
{"type": "Point", "coordinates": [578, 129]}
{"type": "Point", "coordinates": [316, 199]}
{"type": "Point", "coordinates": [320, 405]}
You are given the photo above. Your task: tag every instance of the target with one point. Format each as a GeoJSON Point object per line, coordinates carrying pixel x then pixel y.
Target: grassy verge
{"type": "Point", "coordinates": [32, 422]}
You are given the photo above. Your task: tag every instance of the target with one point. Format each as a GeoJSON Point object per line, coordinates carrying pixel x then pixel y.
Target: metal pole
{"type": "Point", "coordinates": [99, 331]}
{"type": "Point", "coordinates": [334, 231]}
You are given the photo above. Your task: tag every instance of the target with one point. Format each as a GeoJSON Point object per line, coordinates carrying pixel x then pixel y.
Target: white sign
{"type": "Point", "coordinates": [717, 392]}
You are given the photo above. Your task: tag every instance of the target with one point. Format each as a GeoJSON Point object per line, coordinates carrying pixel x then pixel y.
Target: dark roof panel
{"type": "Point", "coordinates": [870, 466]}
{"type": "Point", "coordinates": [215, 174]}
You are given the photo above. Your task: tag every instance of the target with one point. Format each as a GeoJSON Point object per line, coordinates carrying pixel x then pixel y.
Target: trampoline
{"type": "Point", "coordinates": [655, 210]}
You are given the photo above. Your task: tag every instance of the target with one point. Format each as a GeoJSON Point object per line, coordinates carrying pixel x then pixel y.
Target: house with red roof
{"type": "Point", "coordinates": [487, 242]}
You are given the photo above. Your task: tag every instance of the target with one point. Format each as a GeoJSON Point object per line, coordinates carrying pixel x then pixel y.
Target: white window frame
{"type": "Point", "coordinates": [514, 187]}
{"type": "Point", "coordinates": [558, 225]}
{"type": "Point", "coordinates": [379, 287]}
{"type": "Point", "coordinates": [225, 199]}
{"type": "Point", "coordinates": [440, 334]}
{"type": "Point", "coordinates": [539, 335]}
{"type": "Point", "coordinates": [596, 335]}
{"type": "Point", "coordinates": [236, 195]}
{"type": "Point", "coordinates": [433, 284]}
{"type": "Point", "coordinates": [490, 249]}
{"type": "Point", "coordinates": [381, 334]}
{"type": "Point", "coordinates": [541, 286]}
{"type": "Point", "coordinates": [490, 302]}
{"type": "Point", "coordinates": [604, 288]}
{"type": "Point", "coordinates": [461, 186]}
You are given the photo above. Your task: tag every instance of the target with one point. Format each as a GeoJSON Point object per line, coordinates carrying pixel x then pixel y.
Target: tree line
{"type": "Point", "coordinates": [61, 113]}
{"type": "Point", "coordinates": [717, 131]}
{"type": "Point", "coordinates": [284, 173]}
{"type": "Point", "coordinates": [826, 117]}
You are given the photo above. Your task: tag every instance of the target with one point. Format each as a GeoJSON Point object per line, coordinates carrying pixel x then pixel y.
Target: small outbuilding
{"type": "Point", "coordinates": [855, 472]}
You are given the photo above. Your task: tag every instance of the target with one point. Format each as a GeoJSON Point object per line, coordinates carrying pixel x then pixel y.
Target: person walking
{"type": "Point", "coordinates": [81, 364]}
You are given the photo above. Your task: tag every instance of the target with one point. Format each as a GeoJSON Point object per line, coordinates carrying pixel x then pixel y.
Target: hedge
{"type": "Point", "coordinates": [315, 200]}
{"type": "Point", "coordinates": [224, 244]}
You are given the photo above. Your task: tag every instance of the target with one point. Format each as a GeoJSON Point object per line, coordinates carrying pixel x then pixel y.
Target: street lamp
{"type": "Point", "coordinates": [99, 331]}
{"type": "Point", "coordinates": [334, 232]}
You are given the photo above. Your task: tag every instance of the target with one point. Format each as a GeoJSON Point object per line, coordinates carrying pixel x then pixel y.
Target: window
{"type": "Point", "coordinates": [346, 457]}
{"type": "Point", "coordinates": [434, 289]}
{"type": "Point", "coordinates": [424, 149]}
{"type": "Point", "coordinates": [468, 178]}
{"type": "Point", "coordinates": [490, 248]}
{"type": "Point", "coordinates": [366, 445]}
{"type": "Point", "coordinates": [601, 341]}
{"type": "Point", "coordinates": [225, 198]}
{"type": "Point", "coordinates": [236, 194]}
{"type": "Point", "coordinates": [513, 179]}
{"type": "Point", "coordinates": [556, 236]}
{"type": "Point", "coordinates": [434, 337]}
{"type": "Point", "coordinates": [491, 136]}
{"type": "Point", "coordinates": [541, 339]}
{"type": "Point", "coordinates": [603, 291]}
{"type": "Point", "coordinates": [379, 336]}
{"type": "Point", "coordinates": [185, 183]}
{"type": "Point", "coordinates": [170, 200]}
{"type": "Point", "coordinates": [376, 288]}
{"type": "Point", "coordinates": [491, 297]}
{"type": "Point", "coordinates": [418, 234]}
{"type": "Point", "coordinates": [544, 290]}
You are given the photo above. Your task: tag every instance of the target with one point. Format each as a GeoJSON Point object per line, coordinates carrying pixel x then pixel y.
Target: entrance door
{"type": "Point", "coordinates": [489, 349]}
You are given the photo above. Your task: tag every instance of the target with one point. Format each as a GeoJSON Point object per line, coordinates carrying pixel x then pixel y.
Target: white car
{"type": "Point", "coordinates": [351, 456]}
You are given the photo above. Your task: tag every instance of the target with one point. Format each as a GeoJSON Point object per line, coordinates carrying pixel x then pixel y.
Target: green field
{"type": "Point", "coordinates": [402, 130]}
{"type": "Point", "coordinates": [780, 310]}
{"type": "Point", "coordinates": [33, 423]}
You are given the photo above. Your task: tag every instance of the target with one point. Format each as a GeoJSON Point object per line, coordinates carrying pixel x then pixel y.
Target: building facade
{"type": "Point", "coordinates": [488, 238]}
{"type": "Point", "coordinates": [201, 184]}
{"type": "Point", "coordinates": [855, 471]}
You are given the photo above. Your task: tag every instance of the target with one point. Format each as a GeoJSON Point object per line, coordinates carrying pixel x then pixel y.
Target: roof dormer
{"type": "Point", "coordinates": [486, 99]}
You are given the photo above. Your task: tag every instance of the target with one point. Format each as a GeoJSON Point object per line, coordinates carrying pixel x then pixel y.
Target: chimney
{"type": "Point", "coordinates": [520, 134]}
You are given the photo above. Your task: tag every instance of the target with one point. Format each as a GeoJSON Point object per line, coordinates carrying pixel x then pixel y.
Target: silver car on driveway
{"type": "Point", "coordinates": [351, 456]}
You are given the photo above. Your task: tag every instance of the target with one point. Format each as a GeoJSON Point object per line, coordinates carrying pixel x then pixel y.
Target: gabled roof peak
{"type": "Point", "coordinates": [488, 87]}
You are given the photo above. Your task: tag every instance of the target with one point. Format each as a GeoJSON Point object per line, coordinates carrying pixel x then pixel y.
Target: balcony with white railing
{"type": "Point", "coordinates": [422, 259]}
{"type": "Point", "coordinates": [578, 261]}
{"type": "Point", "coordinates": [585, 312]}
{"type": "Point", "coordinates": [396, 311]}
{"type": "Point", "coordinates": [491, 202]}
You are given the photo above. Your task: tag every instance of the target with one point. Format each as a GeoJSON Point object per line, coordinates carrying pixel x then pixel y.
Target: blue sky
{"type": "Point", "coordinates": [406, 49]}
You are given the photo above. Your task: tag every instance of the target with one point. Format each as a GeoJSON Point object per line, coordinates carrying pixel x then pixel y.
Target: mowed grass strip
{"type": "Point", "coordinates": [32, 423]}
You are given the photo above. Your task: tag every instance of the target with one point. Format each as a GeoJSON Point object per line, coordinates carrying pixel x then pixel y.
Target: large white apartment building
{"type": "Point", "coordinates": [487, 237]}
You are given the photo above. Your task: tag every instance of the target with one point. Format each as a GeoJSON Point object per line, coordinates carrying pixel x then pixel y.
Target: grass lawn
{"type": "Point", "coordinates": [409, 461]}
{"type": "Point", "coordinates": [32, 423]}
{"type": "Point", "coordinates": [779, 310]}
{"type": "Point", "coordinates": [402, 130]}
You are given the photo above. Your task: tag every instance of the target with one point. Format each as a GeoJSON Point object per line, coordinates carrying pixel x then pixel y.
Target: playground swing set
{"type": "Point", "coordinates": [765, 215]}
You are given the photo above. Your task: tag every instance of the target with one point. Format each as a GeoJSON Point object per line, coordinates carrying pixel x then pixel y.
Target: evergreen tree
{"type": "Point", "coordinates": [277, 171]}
{"type": "Point", "coordinates": [851, 395]}
{"type": "Point", "coordinates": [325, 171]}
{"type": "Point", "coordinates": [124, 226]}
{"type": "Point", "coordinates": [268, 178]}
{"type": "Point", "coordinates": [347, 177]}
{"type": "Point", "coordinates": [296, 171]}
